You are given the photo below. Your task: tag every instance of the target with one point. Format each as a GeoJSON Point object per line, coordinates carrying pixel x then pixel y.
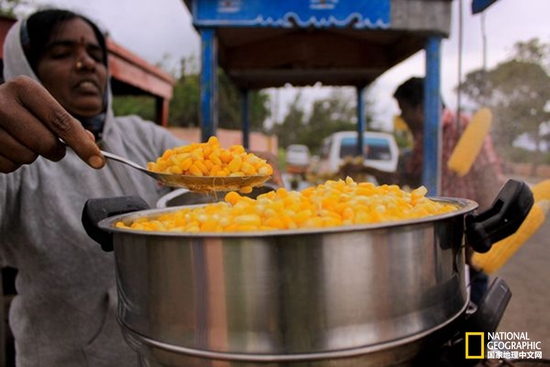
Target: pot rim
{"type": "Point", "coordinates": [108, 224]}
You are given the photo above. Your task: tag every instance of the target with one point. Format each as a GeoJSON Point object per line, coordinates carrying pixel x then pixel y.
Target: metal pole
{"type": "Point", "coordinates": [245, 118]}
{"type": "Point", "coordinates": [360, 121]}
{"type": "Point", "coordinates": [432, 114]}
{"type": "Point", "coordinates": [208, 83]}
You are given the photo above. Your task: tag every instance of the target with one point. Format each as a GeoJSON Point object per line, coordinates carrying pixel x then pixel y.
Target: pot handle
{"type": "Point", "coordinates": [502, 219]}
{"type": "Point", "coordinates": [95, 210]}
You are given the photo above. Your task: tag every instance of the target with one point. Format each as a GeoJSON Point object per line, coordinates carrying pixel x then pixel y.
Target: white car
{"type": "Point", "coordinates": [297, 157]}
{"type": "Point", "coordinates": [380, 151]}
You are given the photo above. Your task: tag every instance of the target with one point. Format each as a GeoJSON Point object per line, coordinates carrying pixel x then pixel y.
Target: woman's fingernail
{"type": "Point", "coordinates": [95, 161]}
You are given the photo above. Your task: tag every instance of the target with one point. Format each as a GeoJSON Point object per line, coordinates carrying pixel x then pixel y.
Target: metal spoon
{"type": "Point", "coordinates": [195, 183]}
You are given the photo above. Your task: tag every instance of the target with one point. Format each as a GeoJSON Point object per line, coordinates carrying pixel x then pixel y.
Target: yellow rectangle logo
{"type": "Point", "coordinates": [475, 345]}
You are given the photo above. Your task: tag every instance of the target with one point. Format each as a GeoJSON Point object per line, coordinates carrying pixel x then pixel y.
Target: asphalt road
{"type": "Point", "coordinates": [528, 275]}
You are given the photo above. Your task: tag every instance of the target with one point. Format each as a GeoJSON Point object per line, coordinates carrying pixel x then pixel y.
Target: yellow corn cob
{"type": "Point", "coordinates": [541, 191]}
{"type": "Point", "coordinates": [503, 250]}
{"type": "Point", "coordinates": [470, 143]}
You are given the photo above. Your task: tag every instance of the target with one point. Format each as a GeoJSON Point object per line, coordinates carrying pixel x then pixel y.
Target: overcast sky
{"type": "Point", "coordinates": [156, 29]}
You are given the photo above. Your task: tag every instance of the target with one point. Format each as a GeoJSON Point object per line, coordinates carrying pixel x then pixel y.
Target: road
{"type": "Point", "coordinates": [528, 275]}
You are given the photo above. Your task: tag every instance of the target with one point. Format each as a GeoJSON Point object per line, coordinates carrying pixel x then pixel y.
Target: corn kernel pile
{"type": "Point", "coordinates": [334, 203]}
{"type": "Point", "coordinates": [210, 159]}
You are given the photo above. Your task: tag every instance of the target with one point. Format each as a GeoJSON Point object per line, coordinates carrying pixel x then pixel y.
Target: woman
{"type": "Point", "coordinates": [56, 72]}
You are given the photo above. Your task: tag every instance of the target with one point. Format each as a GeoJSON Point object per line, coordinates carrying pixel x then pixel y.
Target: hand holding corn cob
{"type": "Point", "coordinates": [470, 143]}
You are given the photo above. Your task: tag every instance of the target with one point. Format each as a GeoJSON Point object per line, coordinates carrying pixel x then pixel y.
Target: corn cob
{"type": "Point", "coordinates": [503, 250]}
{"type": "Point", "coordinates": [541, 191]}
{"type": "Point", "coordinates": [470, 143]}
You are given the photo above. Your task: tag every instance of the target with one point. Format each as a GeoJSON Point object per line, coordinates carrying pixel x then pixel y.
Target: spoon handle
{"type": "Point", "coordinates": [123, 160]}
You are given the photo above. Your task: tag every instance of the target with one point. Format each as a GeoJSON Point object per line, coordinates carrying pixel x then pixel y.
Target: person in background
{"type": "Point", "coordinates": [484, 179]}
{"type": "Point", "coordinates": [57, 88]}
{"type": "Point", "coordinates": [480, 184]}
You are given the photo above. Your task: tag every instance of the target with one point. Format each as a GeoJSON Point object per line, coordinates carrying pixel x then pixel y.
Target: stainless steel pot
{"type": "Point", "coordinates": [360, 295]}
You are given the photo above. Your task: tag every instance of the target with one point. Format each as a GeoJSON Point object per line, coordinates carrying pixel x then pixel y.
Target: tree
{"type": "Point", "coordinates": [185, 103]}
{"type": "Point", "coordinates": [143, 106]}
{"type": "Point", "coordinates": [289, 131]}
{"type": "Point", "coordinates": [517, 92]}
{"type": "Point", "coordinates": [230, 105]}
{"type": "Point", "coordinates": [335, 113]}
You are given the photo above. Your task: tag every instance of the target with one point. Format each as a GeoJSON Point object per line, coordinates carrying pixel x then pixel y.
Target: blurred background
{"type": "Point", "coordinates": [484, 50]}
{"type": "Point", "coordinates": [500, 58]}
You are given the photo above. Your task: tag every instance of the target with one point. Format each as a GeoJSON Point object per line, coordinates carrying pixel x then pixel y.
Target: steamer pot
{"type": "Point", "coordinates": [369, 295]}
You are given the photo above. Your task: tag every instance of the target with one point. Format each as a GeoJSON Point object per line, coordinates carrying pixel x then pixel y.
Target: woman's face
{"type": "Point", "coordinates": [71, 68]}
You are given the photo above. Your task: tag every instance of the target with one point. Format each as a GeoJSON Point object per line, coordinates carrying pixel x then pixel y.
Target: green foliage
{"type": "Point", "coordinates": [521, 155]}
{"type": "Point", "coordinates": [338, 112]}
{"type": "Point", "coordinates": [184, 109]}
{"type": "Point", "coordinates": [143, 106]}
{"type": "Point", "coordinates": [230, 102]}
{"type": "Point", "coordinates": [293, 125]}
{"type": "Point", "coordinates": [517, 92]}
{"type": "Point", "coordinates": [184, 106]}
{"type": "Point", "coordinates": [185, 103]}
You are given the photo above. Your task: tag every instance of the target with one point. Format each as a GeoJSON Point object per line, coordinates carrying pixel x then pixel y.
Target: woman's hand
{"type": "Point", "coordinates": [32, 123]}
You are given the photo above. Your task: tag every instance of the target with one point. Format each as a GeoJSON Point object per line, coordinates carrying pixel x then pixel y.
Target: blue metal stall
{"type": "Point", "coordinates": [264, 43]}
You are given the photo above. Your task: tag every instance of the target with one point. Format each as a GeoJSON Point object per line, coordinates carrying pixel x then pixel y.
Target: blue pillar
{"type": "Point", "coordinates": [208, 83]}
{"type": "Point", "coordinates": [245, 118]}
{"type": "Point", "coordinates": [360, 121]}
{"type": "Point", "coordinates": [432, 117]}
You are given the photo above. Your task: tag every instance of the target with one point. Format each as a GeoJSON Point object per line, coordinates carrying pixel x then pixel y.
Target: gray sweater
{"type": "Point", "coordinates": [64, 313]}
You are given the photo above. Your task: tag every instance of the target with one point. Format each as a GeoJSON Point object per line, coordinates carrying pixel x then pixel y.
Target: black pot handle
{"type": "Point", "coordinates": [95, 210]}
{"type": "Point", "coordinates": [502, 219]}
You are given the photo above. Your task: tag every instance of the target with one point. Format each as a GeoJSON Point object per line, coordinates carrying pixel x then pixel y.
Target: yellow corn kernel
{"type": "Point", "coordinates": [195, 171]}
{"type": "Point", "coordinates": [248, 169]}
{"type": "Point", "coordinates": [200, 165]}
{"type": "Point", "coordinates": [246, 189]}
{"type": "Point", "coordinates": [210, 225]}
{"type": "Point", "coordinates": [236, 149]}
{"type": "Point", "coordinates": [208, 164]}
{"type": "Point", "coordinates": [232, 197]}
{"type": "Point", "coordinates": [186, 164]}
{"type": "Point", "coordinates": [215, 158]}
{"type": "Point", "coordinates": [205, 156]}
{"type": "Point", "coordinates": [167, 154]}
{"type": "Point", "coordinates": [224, 172]}
{"type": "Point", "coordinates": [335, 203]}
{"type": "Point", "coordinates": [214, 170]}
{"type": "Point", "coordinates": [176, 170]}
{"type": "Point", "coordinates": [235, 164]}
{"type": "Point", "coordinates": [213, 141]}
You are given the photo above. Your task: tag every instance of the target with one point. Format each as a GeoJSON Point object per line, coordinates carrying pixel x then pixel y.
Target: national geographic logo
{"type": "Point", "coordinates": [501, 345]}
{"type": "Point", "coordinates": [475, 345]}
